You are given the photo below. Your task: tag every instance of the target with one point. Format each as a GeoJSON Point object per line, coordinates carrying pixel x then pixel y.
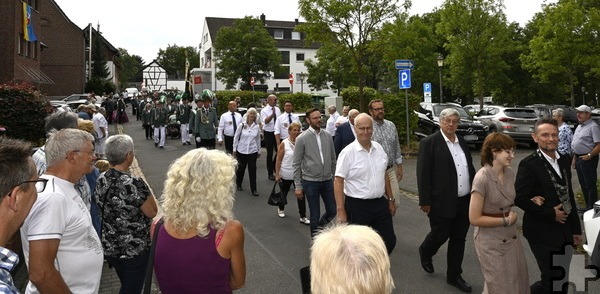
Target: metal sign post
{"type": "Point", "coordinates": [405, 83]}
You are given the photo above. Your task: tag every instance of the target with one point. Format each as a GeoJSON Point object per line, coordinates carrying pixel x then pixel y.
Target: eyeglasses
{"type": "Point", "coordinates": [510, 152]}
{"type": "Point", "coordinates": [378, 109]}
{"type": "Point", "coordinates": [40, 184]}
{"type": "Point", "coordinates": [91, 153]}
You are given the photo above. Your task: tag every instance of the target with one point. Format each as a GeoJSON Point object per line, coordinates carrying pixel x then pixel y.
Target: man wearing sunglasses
{"type": "Point", "coordinates": [59, 241]}
{"type": "Point", "coordinates": [17, 194]}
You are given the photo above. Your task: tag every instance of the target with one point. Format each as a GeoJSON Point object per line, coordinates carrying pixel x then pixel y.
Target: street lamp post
{"type": "Point", "coordinates": [301, 76]}
{"type": "Point", "coordinates": [440, 63]}
{"type": "Point", "coordinates": [583, 95]}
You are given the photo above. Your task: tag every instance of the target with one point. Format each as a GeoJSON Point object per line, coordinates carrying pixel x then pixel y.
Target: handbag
{"type": "Point", "coordinates": [276, 198]}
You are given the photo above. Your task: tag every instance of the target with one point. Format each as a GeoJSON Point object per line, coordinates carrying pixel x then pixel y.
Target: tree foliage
{"type": "Point", "coordinates": [476, 36]}
{"type": "Point", "coordinates": [331, 65]}
{"type": "Point", "coordinates": [131, 68]}
{"type": "Point", "coordinates": [173, 59]}
{"type": "Point", "coordinates": [565, 49]}
{"type": "Point", "coordinates": [245, 50]}
{"type": "Point", "coordinates": [99, 68]}
{"type": "Point", "coordinates": [351, 23]}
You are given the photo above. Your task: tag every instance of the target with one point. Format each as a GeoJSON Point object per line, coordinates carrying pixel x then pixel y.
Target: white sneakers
{"type": "Point", "coordinates": [280, 213]}
{"type": "Point", "coordinates": [304, 220]}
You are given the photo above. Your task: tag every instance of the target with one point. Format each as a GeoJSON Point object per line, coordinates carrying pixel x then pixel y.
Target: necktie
{"type": "Point", "coordinates": [274, 115]}
{"type": "Point", "coordinates": [234, 123]}
{"type": "Point", "coordinates": [290, 118]}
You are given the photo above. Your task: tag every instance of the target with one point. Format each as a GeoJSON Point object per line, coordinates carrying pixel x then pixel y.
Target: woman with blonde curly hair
{"type": "Point", "coordinates": [199, 233]}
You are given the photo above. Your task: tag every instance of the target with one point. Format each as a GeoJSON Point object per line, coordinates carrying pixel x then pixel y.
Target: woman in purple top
{"type": "Point", "coordinates": [200, 247]}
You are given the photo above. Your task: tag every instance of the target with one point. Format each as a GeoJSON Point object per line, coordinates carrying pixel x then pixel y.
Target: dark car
{"type": "Point", "coordinates": [425, 126]}
{"type": "Point", "coordinates": [543, 110]}
{"type": "Point", "coordinates": [473, 131]}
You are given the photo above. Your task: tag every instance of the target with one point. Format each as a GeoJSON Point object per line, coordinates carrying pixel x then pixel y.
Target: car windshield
{"type": "Point", "coordinates": [437, 109]}
{"type": "Point", "coordinates": [520, 113]}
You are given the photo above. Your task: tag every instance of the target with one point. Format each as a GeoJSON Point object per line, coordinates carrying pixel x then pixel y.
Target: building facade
{"type": "Point", "coordinates": [291, 44]}
{"type": "Point", "coordinates": [56, 62]}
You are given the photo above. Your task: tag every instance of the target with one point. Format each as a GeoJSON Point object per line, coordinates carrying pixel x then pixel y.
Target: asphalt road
{"type": "Point", "coordinates": [276, 248]}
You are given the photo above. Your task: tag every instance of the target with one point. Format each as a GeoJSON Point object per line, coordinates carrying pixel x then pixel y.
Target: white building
{"type": "Point", "coordinates": [154, 77]}
{"type": "Point", "coordinates": [288, 41]}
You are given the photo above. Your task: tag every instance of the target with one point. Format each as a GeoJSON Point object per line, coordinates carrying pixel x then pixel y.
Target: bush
{"type": "Point", "coordinates": [98, 85]}
{"type": "Point", "coordinates": [302, 101]}
{"type": "Point", "coordinates": [23, 112]}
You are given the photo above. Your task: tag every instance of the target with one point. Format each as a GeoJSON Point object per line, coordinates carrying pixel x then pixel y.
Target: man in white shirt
{"type": "Point", "coordinates": [333, 117]}
{"type": "Point", "coordinates": [59, 241]}
{"type": "Point", "coordinates": [228, 124]}
{"type": "Point", "coordinates": [361, 184]}
{"type": "Point", "coordinates": [269, 115]}
{"type": "Point", "coordinates": [284, 121]}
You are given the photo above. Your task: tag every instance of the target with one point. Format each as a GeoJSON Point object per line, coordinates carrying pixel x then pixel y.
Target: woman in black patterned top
{"type": "Point", "coordinates": [126, 209]}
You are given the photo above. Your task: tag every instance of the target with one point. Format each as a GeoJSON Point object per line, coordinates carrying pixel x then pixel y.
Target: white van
{"type": "Point", "coordinates": [131, 92]}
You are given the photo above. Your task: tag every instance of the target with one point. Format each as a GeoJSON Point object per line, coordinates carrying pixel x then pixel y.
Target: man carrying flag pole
{"type": "Point", "coordinates": [28, 33]}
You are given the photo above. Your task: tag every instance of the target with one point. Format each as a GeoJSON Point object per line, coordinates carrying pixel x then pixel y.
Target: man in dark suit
{"type": "Point", "coordinates": [344, 134]}
{"type": "Point", "coordinates": [444, 175]}
{"type": "Point", "coordinates": [544, 192]}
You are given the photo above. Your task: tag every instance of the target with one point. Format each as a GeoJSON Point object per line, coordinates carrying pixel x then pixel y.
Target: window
{"type": "Point", "coordinates": [278, 34]}
{"type": "Point", "coordinates": [283, 73]}
{"type": "Point", "coordinates": [33, 49]}
{"type": "Point", "coordinates": [299, 56]}
{"type": "Point", "coordinates": [295, 35]}
{"type": "Point", "coordinates": [285, 57]}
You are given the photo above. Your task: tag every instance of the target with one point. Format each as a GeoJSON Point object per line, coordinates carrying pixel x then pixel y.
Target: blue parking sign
{"type": "Point", "coordinates": [404, 79]}
{"type": "Point", "coordinates": [426, 87]}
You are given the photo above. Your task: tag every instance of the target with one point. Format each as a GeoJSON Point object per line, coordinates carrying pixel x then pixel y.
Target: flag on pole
{"type": "Point", "coordinates": [28, 33]}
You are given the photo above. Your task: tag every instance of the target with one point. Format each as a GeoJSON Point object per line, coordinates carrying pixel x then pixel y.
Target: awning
{"type": "Point", "coordinates": [37, 76]}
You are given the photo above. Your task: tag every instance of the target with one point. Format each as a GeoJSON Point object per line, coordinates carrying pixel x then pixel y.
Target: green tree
{"type": "Point", "coordinates": [331, 65]}
{"type": "Point", "coordinates": [476, 35]}
{"type": "Point", "coordinates": [564, 49]}
{"type": "Point", "coordinates": [245, 50]}
{"type": "Point", "coordinates": [173, 60]}
{"type": "Point", "coordinates": [131, 66]}
{"type": "Point", "coordinates": [351, 23]}
{"type": "Point", "coordinates": [99, 68]}
{"type": "Point", "coordinates": [411, 38]}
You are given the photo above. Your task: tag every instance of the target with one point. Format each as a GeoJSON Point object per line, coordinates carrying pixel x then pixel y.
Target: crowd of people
{"type": "Point", "coordinates": [77, 204]}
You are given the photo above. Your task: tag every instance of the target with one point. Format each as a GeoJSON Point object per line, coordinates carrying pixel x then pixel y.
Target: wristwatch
{"type": "Point", "coordinates": [391, 199]}
{"type": "Point", "coordinates": [589, 155]}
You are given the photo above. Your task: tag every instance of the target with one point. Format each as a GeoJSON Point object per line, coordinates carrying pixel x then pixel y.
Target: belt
{"type": "Point", "coordinates": [501, 214]}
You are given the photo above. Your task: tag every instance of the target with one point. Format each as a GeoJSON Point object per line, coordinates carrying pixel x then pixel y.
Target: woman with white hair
{"type": "Point", "coordinates": [126, 208]}
{"type": "Point", "coordinates": [350, 259]}
{"type": "Point", "coordinates": [200, 247]}
{"type": "Point", "coordinates": [246, 148]}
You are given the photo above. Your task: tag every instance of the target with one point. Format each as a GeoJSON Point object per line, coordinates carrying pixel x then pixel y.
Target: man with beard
{"type": "Point", "coordinates": [550, 223]}
{"type": "Point", "coordinates": [314, 167]}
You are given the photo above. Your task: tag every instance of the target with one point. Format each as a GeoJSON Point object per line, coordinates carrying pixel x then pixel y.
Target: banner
{"type": "Point", "coordinates": [28, 33]}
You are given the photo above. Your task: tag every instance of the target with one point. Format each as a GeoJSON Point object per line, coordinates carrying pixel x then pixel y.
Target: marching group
{"type": "Point", "coordinates": [74, 215]}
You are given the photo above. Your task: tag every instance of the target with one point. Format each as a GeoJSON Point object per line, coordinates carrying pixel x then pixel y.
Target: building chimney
{"type": "Point", "coordinates": [296, 21]}
{"type": "Point", "coordinates": [263, 19]}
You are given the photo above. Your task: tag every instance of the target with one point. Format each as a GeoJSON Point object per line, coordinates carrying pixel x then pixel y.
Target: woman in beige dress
{"type": "Point", "coordinates": [497, 244]}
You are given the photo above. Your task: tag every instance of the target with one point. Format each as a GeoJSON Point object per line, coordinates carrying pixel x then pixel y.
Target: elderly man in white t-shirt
{"type": "Point", "coordinates": [362, 190]}
{"type": "Point", "coordinates": [62, 250]}
{"type": "Point", "coordinates": [333, 117]}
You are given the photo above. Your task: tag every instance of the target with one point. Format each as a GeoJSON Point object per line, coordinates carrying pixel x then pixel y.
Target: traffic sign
{"type": "Point", "coordinates": [426, 87]}
{"type": "Point", "coordinates": [252, 81]}
{"type": "Point", "coordinates": [404, 79]}
{"type": "Point", "coordinates": [404, 64]}
{"type": "Point", "coordinates": [291, 79]}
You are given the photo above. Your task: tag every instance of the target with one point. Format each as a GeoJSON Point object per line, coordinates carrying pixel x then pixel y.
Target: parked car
{"type": "Point", "coordinates": [60, 106]}
{"type": "Point", "coordinates": [425, 126]}
{"type": "Point", "coordinates": [517, 122]}
{"type": "Point", "coordinates": [569, 114]}
{"type": "Point", "coordinates": [473, 131]}
{"type": "Point", "coordinates": [75, 97]}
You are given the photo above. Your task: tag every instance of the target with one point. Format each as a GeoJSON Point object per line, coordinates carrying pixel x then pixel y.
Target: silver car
{"type": "Point", "coordinates": [517, 122]}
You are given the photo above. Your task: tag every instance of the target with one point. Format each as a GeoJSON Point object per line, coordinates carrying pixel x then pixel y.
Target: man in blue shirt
{"type": "Point", "coordinates": [18, 191]}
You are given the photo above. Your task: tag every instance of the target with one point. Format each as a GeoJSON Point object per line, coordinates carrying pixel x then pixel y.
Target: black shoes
{"type": "Point", "coordinates": [255, 193]}
{"type": "Point", "coordinates": [239, 188]}
{"type": "Point", "coordinates": [427, 264]}
{"type": "Point", "coordinates": [459, 283]}
{"type": "Point", "coordinates": [155, 144]}
{"type": "Point", "coordinates": [272, 177]}
{"type": "Point", "coordinates": [161, 147]}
